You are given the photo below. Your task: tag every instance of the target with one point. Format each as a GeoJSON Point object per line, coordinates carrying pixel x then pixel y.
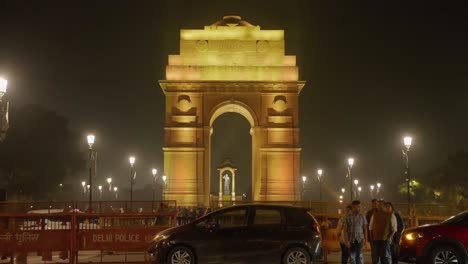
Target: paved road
{"type": "Point", "coordinates": [133, 257]}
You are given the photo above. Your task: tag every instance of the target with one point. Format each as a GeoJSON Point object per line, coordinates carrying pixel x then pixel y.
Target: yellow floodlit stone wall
{"type": "Point", "coordinates": [232, 53]}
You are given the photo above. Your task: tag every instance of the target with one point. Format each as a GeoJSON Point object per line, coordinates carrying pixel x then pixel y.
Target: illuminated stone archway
{"type": "Point", "coordinates": [232, 66]}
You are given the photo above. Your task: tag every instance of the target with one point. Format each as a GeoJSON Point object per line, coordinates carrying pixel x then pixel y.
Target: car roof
{"type": "Point", "coordinates": [272, 205]}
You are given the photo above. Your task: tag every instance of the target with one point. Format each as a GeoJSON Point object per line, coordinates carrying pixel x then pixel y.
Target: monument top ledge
{"type": "Point", "coordinates": [231, 27]}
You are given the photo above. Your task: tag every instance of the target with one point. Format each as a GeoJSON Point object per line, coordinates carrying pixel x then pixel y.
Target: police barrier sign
{"type": "Point", "coordinates": [117, 239]}
{"type": "Point", "coordinates": [36, 240]}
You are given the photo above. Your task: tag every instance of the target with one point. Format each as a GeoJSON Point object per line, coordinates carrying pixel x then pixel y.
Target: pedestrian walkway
{"type": "Point", "coordinates": [335, 257]}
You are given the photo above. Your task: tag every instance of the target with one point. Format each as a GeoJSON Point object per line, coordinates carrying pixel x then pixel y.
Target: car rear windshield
{"type": "Point", "coordinates": [298, 217]}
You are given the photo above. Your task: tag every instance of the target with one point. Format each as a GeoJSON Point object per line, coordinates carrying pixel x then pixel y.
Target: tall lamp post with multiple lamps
{"type": "Point", "coordinates": [90, 170]}
{"type": "Point", "coordinates": [407, 141]}
{"type": "Point", "coordinates": [319, 172]}
{"type": "Point", "coordinates": [131, 159]}
{"type": "Point", "coordinates": [350, 168]}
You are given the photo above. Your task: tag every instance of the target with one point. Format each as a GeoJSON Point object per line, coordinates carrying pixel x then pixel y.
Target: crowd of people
{"type": "Point", "coordinates": [381, 227]}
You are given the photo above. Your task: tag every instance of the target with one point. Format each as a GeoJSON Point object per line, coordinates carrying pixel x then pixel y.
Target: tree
{"type": "Point", "coordinates": [445, 184]}
{"type": "Point", "coordinates": [38, 153]}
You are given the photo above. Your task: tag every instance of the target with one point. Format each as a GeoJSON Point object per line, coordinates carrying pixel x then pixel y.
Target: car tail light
{"type": "Point", "coordinates": [316, 226]}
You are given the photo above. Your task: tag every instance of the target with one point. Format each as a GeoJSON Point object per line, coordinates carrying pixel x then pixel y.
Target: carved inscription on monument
{"type": "Point", "coordinates": [231, 46]}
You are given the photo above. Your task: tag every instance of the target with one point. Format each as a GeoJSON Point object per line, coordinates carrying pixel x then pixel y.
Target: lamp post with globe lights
{"type": "Point", "coordinates": [350, 168]}
{"type": "Point", "coordinates": [90, 139]}
{"type": "Point", "coordinates": [359, 192]}
{"type": "Point", "coordinates": [378, 189]}
{"type": "Point", "coordinates": [115, 192]}
{"type": "Point", "coordinates": [407, 141]}
{"type": "Point", "coordinates": [372, 190]}
{"type": "Point", "coordinates": [319, 172]}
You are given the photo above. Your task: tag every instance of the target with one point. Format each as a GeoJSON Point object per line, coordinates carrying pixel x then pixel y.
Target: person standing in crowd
{"type": "Point", "coordinates": [382, 227]}
{"type": "Point", "coordinates": [395, 246]}
{"type": "Point", "coordinates": [355, 233]}
{"type": "Point", "coordinates": [368, 218]}
{"type": "Point", "coordinates": [339, 232]}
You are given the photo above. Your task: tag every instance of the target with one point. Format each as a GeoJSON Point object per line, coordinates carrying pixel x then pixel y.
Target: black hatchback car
{"type": "Point", "coordinates": [254, 233]}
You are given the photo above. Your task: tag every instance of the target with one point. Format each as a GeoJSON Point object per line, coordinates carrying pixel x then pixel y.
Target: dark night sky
{"type": "Point", "coordinates": [375, 70]}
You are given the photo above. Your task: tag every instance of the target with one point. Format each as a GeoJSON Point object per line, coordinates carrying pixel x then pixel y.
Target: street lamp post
{"type": "Point", "coordinates": [3, 109]}
{"type": "Point", "coordinates": [131, 159]}
{"type": "Point", "coordinates": [359, 192]}
{"type": "Point", "coordinates": [350, 167]}
{"type": "Point", "coordinates": [90, 179]}
{"type": "Point", "coordinates": [83, 185]}
{"type": "Point", "coordinates": [115, 191]}
{"type": "Point", "coordinates": [407, 141]}
{"type": "Point", "coordinates": [304, 179]}
{"type": "Point", "coordinates": [100, 191]}
{"type": "Point", "coordinates": [109, 181]}
{"type": "Point", "coordinates": [378, 189]}
{"type": "Point", "coordinates": [355, 190]}
{"type": "Point", "coordinates": [320, 171]}
{"type": "Point", "coordinates": [154, 171]}
{"type": "Point", "coordinates": [372, 190]}
{"type": "Point", "coordinates": [164, 178]}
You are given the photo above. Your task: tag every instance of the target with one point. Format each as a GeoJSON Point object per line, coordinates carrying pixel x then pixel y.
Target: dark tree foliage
{"type": "Point", "coordinates": [451, 179]}
{"type": "Point", "coordinates": [40, 150]}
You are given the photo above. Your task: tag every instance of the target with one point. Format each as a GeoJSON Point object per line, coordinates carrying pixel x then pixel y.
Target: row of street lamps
{"type": "Point", "coordinates": [355, 192]}
{"type": "Point", "coordinates": [92, 162]}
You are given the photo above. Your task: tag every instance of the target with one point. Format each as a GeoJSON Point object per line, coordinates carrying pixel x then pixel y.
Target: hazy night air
{"type": "Point", "coordinates": [375, 72]}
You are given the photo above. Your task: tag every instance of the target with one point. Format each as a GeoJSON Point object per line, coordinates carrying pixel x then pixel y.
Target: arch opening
{"type": "Point", "coordinates": [231, 141]}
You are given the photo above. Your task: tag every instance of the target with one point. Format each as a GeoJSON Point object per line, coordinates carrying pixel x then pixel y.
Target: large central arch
{"type": "Point", "coordinates": [232, 66]}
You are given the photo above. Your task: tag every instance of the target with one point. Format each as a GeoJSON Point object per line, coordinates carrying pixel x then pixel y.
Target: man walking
{"type": "Point", "coordinates": [355, 233]}
{"type": "Point", "coordinates": [368, 218]}
{"type": "Point", "coordinates": [339, 231]}
{"type": "Point", "coordinates": [382, 227]}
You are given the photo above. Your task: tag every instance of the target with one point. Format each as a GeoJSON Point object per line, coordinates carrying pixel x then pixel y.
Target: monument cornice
{"type": "Point", "coordinates": [169, 86]}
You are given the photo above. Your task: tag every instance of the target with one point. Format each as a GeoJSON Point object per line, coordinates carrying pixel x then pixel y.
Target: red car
{"type": "Point", "coordinates": [446, 242]}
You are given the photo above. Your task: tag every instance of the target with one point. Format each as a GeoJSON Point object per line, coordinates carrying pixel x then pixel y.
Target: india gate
{"type": "Point", "coordinates": [232, 66]}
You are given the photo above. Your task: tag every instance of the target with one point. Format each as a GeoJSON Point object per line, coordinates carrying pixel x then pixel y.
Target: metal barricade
{"type": "Point", "coordinates": [80, 237]}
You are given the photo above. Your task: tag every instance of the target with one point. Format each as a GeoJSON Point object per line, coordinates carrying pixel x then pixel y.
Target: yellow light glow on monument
{"type": "Point", "coordinates": [232, 53]}
{"type": "Point", "coordinates": [220, 33]}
